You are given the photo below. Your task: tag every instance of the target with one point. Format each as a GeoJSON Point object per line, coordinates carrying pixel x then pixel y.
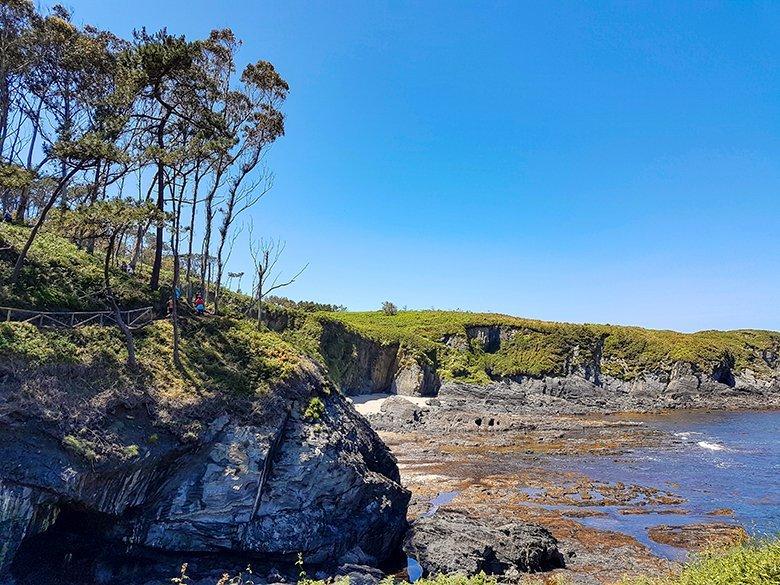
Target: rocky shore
{"type": "Point", "coordinates": [471, 455]}
{"type": "Point", "coordinates": [464, 465]}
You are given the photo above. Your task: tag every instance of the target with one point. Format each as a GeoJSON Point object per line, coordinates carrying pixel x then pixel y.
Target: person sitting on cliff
{"type": "Point", "coordinates": [200, 304]}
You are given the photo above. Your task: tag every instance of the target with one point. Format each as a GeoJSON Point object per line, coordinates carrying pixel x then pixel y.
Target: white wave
{"type": "Point", "coordinates": [710, 446]}
{"type": "Point", "coordinates": [686, 435]}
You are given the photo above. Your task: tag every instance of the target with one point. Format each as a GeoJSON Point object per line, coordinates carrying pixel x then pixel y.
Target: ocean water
{"type": "Point", "coordinates": [715, 460]}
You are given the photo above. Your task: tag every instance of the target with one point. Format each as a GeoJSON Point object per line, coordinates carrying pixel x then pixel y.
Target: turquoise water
{"type": "Point", "coordinates": [715, 460]}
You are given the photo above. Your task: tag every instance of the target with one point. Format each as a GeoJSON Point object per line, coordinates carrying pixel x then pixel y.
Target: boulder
{"type": "Point", "coordinates": [453, 542]}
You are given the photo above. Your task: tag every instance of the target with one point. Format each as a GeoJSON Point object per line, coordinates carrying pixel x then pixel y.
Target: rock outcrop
{"type": "Point", "coordinates": [682, 388]}
{"type": "Point", "coordinates": [581, 373]}
{"type": "Point", "coordinates": [452, 542]}
{"type": "Point", "coordinates": [361, 365]}
{"type": "Point", "coordinates": [261, 486]}
{"type": "Point", "coordinates": [698, 537]}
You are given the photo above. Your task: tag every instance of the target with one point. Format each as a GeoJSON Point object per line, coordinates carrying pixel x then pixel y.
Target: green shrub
{"type": "Point", "coordinates": [314, 410]}
{"type": "Point", "coordinates": [130, 451]}
{"type": "Point", "coordinates": [80, 447]}
{"type": "Point", "coordinates": [752, 563]}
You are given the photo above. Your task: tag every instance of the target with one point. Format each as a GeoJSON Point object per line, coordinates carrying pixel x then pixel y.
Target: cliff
{"type": "Point", "coordinates": [418, 352]}
{"type": "Point", "coordinates": [248, 452]}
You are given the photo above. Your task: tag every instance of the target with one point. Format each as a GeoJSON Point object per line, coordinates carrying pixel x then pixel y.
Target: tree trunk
{"type": "Point", "coordinates": [260, 301]}
{"type": "Point", "coordinates": [36, 228]}
{"type": "Point", "coordinates": [92, 198]}
{"type": "Point", "coordinates": [5, 107]}
{"type": "Point", "coordinates": [175, 251]}
{"type": "Point", "coordinates": [188, 276]}
{"type": "Point", "coordinates": [129, 341]}
{"type": "Point", "coordinates": [24, 198]}
{"type": "Point", "coordinates": [204, 257]}
{"type": "Point", "coordinates": [154, 281]}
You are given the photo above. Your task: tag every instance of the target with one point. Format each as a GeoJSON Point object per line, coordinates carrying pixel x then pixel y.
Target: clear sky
{"type": "Point", "coordinates": [571, 161]}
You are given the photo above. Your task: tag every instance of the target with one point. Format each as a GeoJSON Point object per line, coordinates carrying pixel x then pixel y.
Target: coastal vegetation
{"type": "Point", "coordinates": [454, 341]}
{"type": "Point", "coordinates": [750, 563]}
{"type": "Point", "coordinates": [126, 168]}
{"type": "Point", "coordinates": [465, 346]}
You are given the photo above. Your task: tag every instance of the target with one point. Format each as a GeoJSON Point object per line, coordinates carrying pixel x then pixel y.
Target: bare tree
{"type": "Point", "coordinates": [265, 256]}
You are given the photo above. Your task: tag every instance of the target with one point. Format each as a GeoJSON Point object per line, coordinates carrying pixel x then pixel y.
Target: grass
{"type": "Point", "coordinates": [73, 377]}
{"type": "Point", "coordinates": [752, 563]}
{"type": "Point", "coordinates": [60, 276]}
{"type": "Point", "coordinates": [542, 348]}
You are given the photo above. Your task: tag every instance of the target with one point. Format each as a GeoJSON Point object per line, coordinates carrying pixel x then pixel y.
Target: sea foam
{"type": "Point", "coordinates": [710, 446]}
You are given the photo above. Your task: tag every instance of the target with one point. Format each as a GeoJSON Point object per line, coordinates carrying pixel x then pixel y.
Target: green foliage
{"type": "Point", "coordinates": [233, 355]}
{"type": "Point", "coordinates": [539, 348]}
{"type": "Point", "coordinates": [80, 447]}
{"type": "Point", "coordinates": [130, 451]}
{"type": "Point", "coordinates": [225, 360]}
{"type": "Point", "coordinates": [304, 579]}
{"type": "Point", "coordinates": [314, 410]}
{"type": "Point", "coordinates": [27, 343]}
{"type": "Point", "coordinates": [752, 563]}
{"type": "Point", "coordinates": [106, 219]}
{"type": "Point", "coordinates": [14, 177]}
{"type": "Point", "coordinates": [305, 306]}
{"type": "Point", "coordinates": [60, 276]}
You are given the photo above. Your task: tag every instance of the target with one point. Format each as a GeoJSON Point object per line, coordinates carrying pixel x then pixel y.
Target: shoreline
{"type": "Point", "coordinates": [531, 467]}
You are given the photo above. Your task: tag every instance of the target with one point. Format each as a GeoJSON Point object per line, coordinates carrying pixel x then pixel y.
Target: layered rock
{"type": "Point", "coordinates": [452, 542]}
{"type": "Point", "coordinates": [361, 365]}
{"type": "Point", "coordinates": [264, 486]}
{"type": "Point", "coordinates": [586, 376]}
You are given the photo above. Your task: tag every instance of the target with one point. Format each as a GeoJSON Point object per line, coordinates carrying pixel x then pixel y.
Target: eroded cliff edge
{"type": "Point", "coordinates": [519, 362]}
{"type": "Point", "coordinates": [144, 470]}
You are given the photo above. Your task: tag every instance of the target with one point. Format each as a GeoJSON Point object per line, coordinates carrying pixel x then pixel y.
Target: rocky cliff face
{"type": "Point", "coordinates": [261, 484]}
{"type": "Point", "coordinates": [585, 375]}
{"type": "Point", "coordinates": [361, 365]}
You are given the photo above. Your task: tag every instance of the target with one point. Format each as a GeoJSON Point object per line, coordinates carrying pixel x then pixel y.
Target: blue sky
{"type": "Point", "coordinates": [574, 161]}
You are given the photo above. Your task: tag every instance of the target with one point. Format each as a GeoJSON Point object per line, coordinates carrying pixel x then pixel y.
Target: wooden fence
{"type": "Point", "coordinates": [134, 318]}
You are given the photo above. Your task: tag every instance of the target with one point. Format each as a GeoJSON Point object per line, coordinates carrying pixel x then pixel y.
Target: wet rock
{"type": "Point", "coordinates": [452, 542]}
{"type": "Point", "coordinates": [696, 537]}
{"type": "Point", "coordinates": [721, 512]}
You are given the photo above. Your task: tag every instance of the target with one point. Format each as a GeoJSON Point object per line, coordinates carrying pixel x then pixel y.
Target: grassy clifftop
{"type": "Point", "coordinates": [459, 343]}
{"type": "Point", "coordinates": [76, 380]}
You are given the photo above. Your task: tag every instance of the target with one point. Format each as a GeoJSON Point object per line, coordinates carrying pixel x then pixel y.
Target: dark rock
{"type": "Point", "coordinates": [360, 574]}
{"type": "Point", "coordinates": [398, 411]}
{"type": "Point", "coordinates": [452, 542]}
{"type": "Point", "coordinates": [260, 487]}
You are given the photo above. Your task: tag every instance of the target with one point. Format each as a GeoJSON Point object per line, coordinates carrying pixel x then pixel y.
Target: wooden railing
{"type": "Point", "coordinates": [134, 318]}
